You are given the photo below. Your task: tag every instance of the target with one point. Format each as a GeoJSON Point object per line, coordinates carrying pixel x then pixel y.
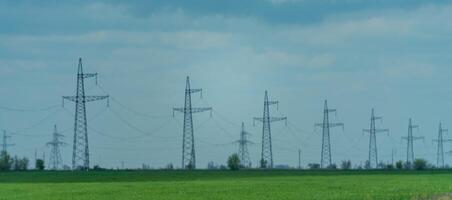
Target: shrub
{"type": "Point", "coordinates": [346, 165]}
{"type": "Point", "coordinates": [234, 162]}
{"type": "Point", "coordinates": [420, 164]}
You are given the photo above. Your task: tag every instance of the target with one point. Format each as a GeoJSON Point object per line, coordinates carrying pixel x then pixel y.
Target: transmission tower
{"type": "Point", "coordinates": [188, 138]}
{"type": "Point", "coordinates": [325, 158]}
{"type": "Point", "coordinates": [373, 153]}
{"type": "Point", "coordinates": [80, 155]}
{"type": "Point", "coordinates": [55, 160]}
{"type": "Point", "coordinates": [267, 153]}
{"type": "Point", "coordinates": [5, 143]}
{"type": "Point", "coordinates": [243, 142]}
{"type": "Point", "coordinates": [440, 151]}
{"type": "Point", "coordinates": [410, 138]}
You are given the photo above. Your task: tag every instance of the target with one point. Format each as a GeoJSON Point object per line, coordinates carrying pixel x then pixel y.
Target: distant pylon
{"type": "Point", "coordinates": [188, 138]}
{"type": "Point", "coordinates": [410, 138]}
{"type": "Point", "coordinates": [80, 154]}
{"type": "Point", "coordinates": [5, 143]}
{"type": "Point", "coordinates": [440, 151]}
{"type": "Point", "coordinates": [326, 158]}
{"type": "Point", "coordinates": [55, 161]}
{"type": "Point", "coordinates": [267, 152]}
{"type": "Point", "coordinates": [243, 142]}
{"type": "Point", "coordinates": [373, 153]}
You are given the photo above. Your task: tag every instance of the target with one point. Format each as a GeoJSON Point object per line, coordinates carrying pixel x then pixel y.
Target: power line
{"type": "Point", "coordinates": [46, 108]}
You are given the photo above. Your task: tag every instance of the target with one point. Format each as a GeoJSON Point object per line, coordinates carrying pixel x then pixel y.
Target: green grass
{"type": "Point", "coordinates": [227, 185]}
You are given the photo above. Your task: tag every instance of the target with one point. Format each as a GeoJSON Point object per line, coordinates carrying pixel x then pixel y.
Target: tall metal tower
{"type": "Point", "coordinates": [188, 138]}
{"type": "Point", "coordinates": [80, 155]}
{"type": "Point", "coordinates": [410, 138]}
{"type": "Point", "coordinates": [440, 151]}
{"type": "Point", "coordinates": [5, 143]}
{"type": "Point", "coordinates": [267, 152]}
{"type": "Point", "coordinates": [373, 153]}
{"type": "Point", "coordinates": [325, 158]}
{"type": "Point", "coordinates": [243, 142]}
{"type": "Point", "coordinates": [55, 160]}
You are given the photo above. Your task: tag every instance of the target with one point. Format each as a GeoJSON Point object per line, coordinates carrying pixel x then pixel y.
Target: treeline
{"type": "Point", "coordinates": [9, 163]}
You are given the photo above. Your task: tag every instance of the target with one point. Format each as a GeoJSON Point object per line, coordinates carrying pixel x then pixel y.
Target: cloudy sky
{"type": "Point", "coordinates": [389, 55]}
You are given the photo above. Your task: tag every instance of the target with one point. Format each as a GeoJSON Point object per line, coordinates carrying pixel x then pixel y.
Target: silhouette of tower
{"type": "Point", "coordinates": [440, 151]}
{"type": "Point", "coordinates": [325, 157]}
{"type": "Point", "coordinates": [55, 161]}
{"type": "Point", "coordinates": [373, 153]}
{"type": "Point", "coordinates": [243, 142]}
{"type": "Point", "coordinates": [80, 155]}
{"type": "Point", "coordinates": [267, 152]}
{"type": "Point", "coordinates": [410, 138]}
{"type": "Point", "coordinates": [188, 138]}
{"type": "Point", "coordinates": [5, 143]}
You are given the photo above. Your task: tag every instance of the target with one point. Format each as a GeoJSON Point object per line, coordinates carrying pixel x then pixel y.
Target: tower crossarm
{"type": "Point", "coordinates": [271, 102]}
{"type": "Point", "coordinates": [89, 75]}
{"type": "Point", "coordinates": [87, 98]}
{"type": "Point", "coordinates": [271, 119]}
{"type": "Point", "coordinates": [193, 110]}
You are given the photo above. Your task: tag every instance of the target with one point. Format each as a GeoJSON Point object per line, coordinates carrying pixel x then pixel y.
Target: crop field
{"type": "Point", "coordinates": [227, 185]}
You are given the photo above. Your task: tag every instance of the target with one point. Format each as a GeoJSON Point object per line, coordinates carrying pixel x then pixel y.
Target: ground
{"type": "Point", "coordinates": [227, 185]}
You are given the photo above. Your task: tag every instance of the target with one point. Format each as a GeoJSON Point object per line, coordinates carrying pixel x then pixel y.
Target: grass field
{"type": "Point", "coordinates": [227, 185]}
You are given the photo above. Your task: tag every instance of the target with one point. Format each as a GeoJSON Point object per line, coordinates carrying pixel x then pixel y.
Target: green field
{"type": "Point", "coordinates": [227, 185]}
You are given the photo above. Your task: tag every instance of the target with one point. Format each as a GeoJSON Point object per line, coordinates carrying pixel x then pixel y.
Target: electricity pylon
{"type": "Point", "coordinates": [188, 138]}
{"type": "Point", "coordinates": [440, 151]}
{"type": "Point", "coordinates": [267, 152]}
{"type": "Point", "coordinates": [80, 154]}
{"type": "Point", "coordinates": [373, 153]}
{"type": "Point", "coordinates": [325, 158]}
{"type": "Point", "coordinates": [5, 143]}
{"type": "Point", "coordinates": [55, 160]}
{"type": "Point", "coordinates": [243, 142]}
{"type": "Point", "coordinates": [410, 138]}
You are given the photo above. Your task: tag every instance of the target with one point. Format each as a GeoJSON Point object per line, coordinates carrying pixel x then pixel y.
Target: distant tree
{"type": "Point", "coordinates": [263, 163]}
{"type": "Point", "coordinates": [381, 165]}
{"type": "Point", "coordinates": [5, 161]}
{"type": "Point", "coordinates": [190, 166]}
{"type": "Point", "coordinates": [211, 165]}
{"type": "Point", "coordinates": [332, 166]}
{"type": "Point", "coordinates": [408, 165]}
{"type": "Point", "coordinates": [169, 166]}
{"type": "Point", "coordinates": [234, 162]}
{"type": "Point", "coordinates": [346, 165]}
{"type": "Point", "coordinates": [367, 165]}
{"type": "Point", "coordinates": [98, 168]}
{"type": "Point", "coordinates": [39, 165]}
{"type": "Point", "coordinates": [399, 164]}
{"type": "Point", "coordinates": [314, 166]}
{"type": "Point", "coordinates": [20, 164]}
{"type": "Point", "coordinates": [420, 164]}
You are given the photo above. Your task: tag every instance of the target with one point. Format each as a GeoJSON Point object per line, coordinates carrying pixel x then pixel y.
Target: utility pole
{"type": "Point", "coordinates": [410, 138]}
{"type": "Point", "coordinates": [373, 153]}
{"type": "Point", "coordinates": [55, 161]}
{"type": "Point", "coordinates": [299, 158]}
{"type": "Point", "coordinates": [325, 158]}
{"type": "Point", "coordinates": [188, 138]}
{"type": "Point", "coordinates": [243, 142]}
{"type": "Point", "coordinates": [267, 152]}
{"type": "Point", "coordinates": [80, 154]}
{"type": "Point", "coordinates": [440, 151]}
{"type": "Point", "coordinates": [5, 143]}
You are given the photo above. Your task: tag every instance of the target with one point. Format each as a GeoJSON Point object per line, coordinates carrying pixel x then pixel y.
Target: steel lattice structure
{"type": "Point", "coordinates": [440, 151]}
{"type": "Point", "coordinates": [5, 143]}
{"type": "Point", "coordinates": [410, 138]}
{"type": "Point", "coordinates": [267, 151]}
{"type": "Point", "coordinates": [243, 142]}
{"type": "Point", "coordinates": [80, 155]}
{"type": "Point", "coordinates": [373, 152]}
{"type": "Point", "coordinates": [325, 158]}
{"type": "Point", "coordinates": [188, 138]}
{"type": "Point", "coordinates": [55, 161]}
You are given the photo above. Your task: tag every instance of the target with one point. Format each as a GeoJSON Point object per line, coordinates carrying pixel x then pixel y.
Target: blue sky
{"type": "Point", "coordinates": [390, 55]}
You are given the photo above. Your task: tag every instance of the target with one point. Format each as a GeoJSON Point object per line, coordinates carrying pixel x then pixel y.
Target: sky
{"type": "Point", "coordinates": [391, 55]}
